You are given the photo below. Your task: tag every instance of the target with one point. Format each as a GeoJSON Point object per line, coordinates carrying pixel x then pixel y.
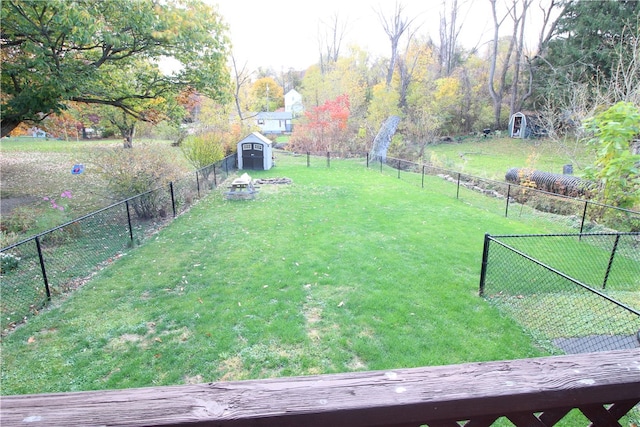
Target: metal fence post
{"type": "Point", "coordinates": [129, 221]}
{"type": "Point", "coordinates": [485, 259]}
{"type": "Point", "coordinates": [613, 254]}
{"type": "Point", "coordinates": [423, 166]}
{"type": "Point", "coordinates": [198, 184]}
{"type": "Point", "coordinates": [328, 159]}
{"type": "Point", "coordinates": [398, 166]}
{"type": "Point", "coordinates": [506, 210]}
{"type": "Point", "coordinates": [458, 187]}
{"type": "Point", "coordinates": [308, 159]}
{"type": "Point", "coordinates": [44, 271]}
{"type": "Point", "coordinates": [215, 178]}
{"type": "Point", "coordinates": [367, 160]}
{"type": "Point", "coordinates": [380, 164]}
{"type": "Point", "coordinates": [173, 199]}
{"type": "Point", "coordinates": [584, 215]}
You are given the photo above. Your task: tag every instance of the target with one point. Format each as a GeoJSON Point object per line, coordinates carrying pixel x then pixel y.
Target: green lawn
{"type": "Point", "coordinates": [346, 269]}
{"type": "Point", "coordinates": [492, 157]}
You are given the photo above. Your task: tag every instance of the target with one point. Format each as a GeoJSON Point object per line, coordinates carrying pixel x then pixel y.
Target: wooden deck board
{"type": "Point", "coordinates": [375, 398]}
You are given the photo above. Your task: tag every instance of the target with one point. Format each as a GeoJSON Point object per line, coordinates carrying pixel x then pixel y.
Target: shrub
{"type": "Point", "coordinates": [206, 148]}
{"type": "Point", "coordinates": [21, 219]}
{"type": "Point", "coordinates": [132, 171]}
{"type": "Point", "coordinates": [616, 165]}
{"type": "Point", "coordinates": [8, 262]}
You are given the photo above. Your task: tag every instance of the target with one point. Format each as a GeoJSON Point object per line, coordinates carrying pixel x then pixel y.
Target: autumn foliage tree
{"type": "Point", "coordinates": [64, 126]}
{"type": "Point", "coordinates": [324, 128]}
{"type": "Point", "coordinates": [57, 51]}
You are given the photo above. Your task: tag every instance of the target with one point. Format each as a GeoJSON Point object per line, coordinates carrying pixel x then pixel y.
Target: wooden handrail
{"type": "Point", "coordinates": [437, 396]}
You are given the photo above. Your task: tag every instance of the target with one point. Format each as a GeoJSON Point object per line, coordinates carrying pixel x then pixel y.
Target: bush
{"type": "Point", "coordinates": [8, 262]}
{"type": "Point", "coordinates": [132, 171]}
{"type": "Point", "coordinates": [21, 219]}
{"type": "Point", "coordinates": [616, 165]}
{"type": "Point", "coordinates": [205, 149]}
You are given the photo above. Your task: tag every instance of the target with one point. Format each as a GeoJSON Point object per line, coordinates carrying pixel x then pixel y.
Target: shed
{"type": "Point", "coordinates": [525, 125]}
{"type": "Point", "coordinates": [255, 152]}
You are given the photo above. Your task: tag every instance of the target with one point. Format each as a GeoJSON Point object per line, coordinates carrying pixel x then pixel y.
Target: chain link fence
{"type": "Point", "coordinates": [519, 201]}
{"type": "Point", "coordinates": [574, 292]}
{"type": "Point", "coordinates": [516, 201]}
{"type": "Point", "coordinates": [57, 261]}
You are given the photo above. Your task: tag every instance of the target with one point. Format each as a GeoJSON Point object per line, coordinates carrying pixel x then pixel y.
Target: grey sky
{"type": "Point", "coordinates": [284, 33]}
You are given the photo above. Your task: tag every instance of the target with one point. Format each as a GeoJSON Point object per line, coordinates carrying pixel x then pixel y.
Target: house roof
{"type": "Point", "coordinates": [274, 115]}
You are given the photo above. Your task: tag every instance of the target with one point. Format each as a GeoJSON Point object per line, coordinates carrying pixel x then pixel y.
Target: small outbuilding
{"type": "Point", "coordinates": [525, 125]}
{"type": "Point", "coordinates": [255, 152]}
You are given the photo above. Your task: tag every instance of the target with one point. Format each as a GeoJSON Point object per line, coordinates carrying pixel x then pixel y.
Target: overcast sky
{"type": "Point", "coordinates": [283, 34]}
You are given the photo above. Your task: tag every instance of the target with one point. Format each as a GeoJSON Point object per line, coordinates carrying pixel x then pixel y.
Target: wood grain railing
{"type": "Point", "coordinates": [529, 392]}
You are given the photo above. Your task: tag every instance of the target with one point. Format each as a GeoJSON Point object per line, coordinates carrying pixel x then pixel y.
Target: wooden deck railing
{"type": "Point", "coordinates": [530, 392]}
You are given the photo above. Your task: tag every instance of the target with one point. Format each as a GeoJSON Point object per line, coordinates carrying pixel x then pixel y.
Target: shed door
{"type": "Point", "coordinates": [252, 156]}
{"type": "Point", "coordinates": [517, 126]}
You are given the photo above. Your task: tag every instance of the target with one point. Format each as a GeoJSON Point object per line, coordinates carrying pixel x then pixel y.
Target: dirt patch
{"type": "Point", "coordinates": [9, 204]}
{"type": "Point", "coordinates": [120, 343]}
{"type": "Point", "coordinates": [356, 364]}
{"type": "Point", "coordinates": [232, 369]}
{"type": "Point", "coordinates": [313, 314]}
{"type": "Point", "coordinates": [197, 379]}
{"type": "Point", "coordinates": [274, 181]}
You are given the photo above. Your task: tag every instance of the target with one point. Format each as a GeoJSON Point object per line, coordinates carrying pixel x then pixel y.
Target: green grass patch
{"type": "Point", "coordinates": [346, 269]}
{"type": "Point", "coordinates": [492, 157]}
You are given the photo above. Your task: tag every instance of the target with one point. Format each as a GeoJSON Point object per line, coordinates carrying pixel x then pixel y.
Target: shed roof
{"type": "Point", "coordinates": [253, 136]}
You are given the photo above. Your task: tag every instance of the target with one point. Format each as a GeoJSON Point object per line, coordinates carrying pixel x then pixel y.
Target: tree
{"type": "Point", "coordinates": [330, 42]}
{"type": "Point", "coordinates": [324, 127]}
{"type": "Point", "coordinates": [616, 166]}
{"type": "Point", "coordinates": [517, 99]}
{"type": "Point", "coordinates": [583, 53]}
{"type": "Point", "coordinates": [394, 26]}
{"type": "Point", "coordinates": [57, 51]}
{"type": "Point", "coordinates": [64, 124]}
{"type": "Point", "coordinates": [144, 87]}
{"type": "Point", "coordinates": [588, 33]}
{"type": "Point", "coordinates": [498, 89]}
{"type": "Point", "coordinates": [449, 31]}
{"type": "Point", "coordinates": [240, 78]}
{"type": "Point", "coordinates": [267, 95]}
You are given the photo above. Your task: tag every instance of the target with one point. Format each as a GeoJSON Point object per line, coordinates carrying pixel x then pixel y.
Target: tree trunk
{"type": "Point", "coordinates": [394, 28]}
{"type": "Point", "coordinates": [498, 94]}
{"type": "Point", "coordinates": [497, 99]}
{"type": "Point", "coordinates": [449, 31]}
{"type": "Point", "coordinates": [8, 125]}
{"type": "Point", "coordinates": [516, 102]}
{"type": "Point", "coordinates": [128, 134]}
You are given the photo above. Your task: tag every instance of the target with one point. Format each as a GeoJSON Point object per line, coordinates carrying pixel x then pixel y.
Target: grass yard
{"type": "Point", "coordinates": [492, 157]}
{"type": "Point", "coordinates": [346, 269]}
{"type": "Point", "coordinates": [37, 168]}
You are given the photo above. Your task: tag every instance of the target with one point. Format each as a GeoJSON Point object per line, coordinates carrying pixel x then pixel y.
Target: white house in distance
{"type": "Point", "coordinates": [293, 102]}
{"type": "Point", "coordinates": [274, 122]}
